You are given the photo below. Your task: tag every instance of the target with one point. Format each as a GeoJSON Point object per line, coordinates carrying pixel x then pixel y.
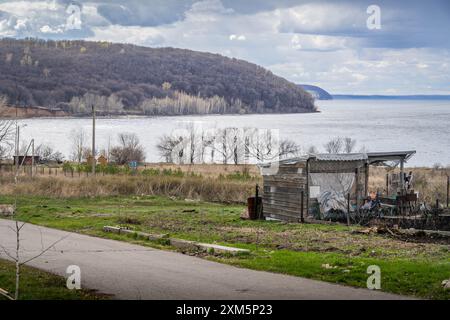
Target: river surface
{"type": "Point", "coordinates": [377, 125]}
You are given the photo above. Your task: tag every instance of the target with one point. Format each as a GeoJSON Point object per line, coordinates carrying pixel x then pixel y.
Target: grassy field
{"type": "Point", "coordinates": [333, 253]}
{"type": "Point", "coordinates": [40, 285]}
{"type": "Point", "coordinates": [207, 182]}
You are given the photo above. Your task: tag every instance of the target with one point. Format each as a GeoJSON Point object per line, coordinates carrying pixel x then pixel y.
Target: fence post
{"type": "Point", "coordinates": [256, 201]}
{"type": "Point", "coordinates": [387, 184]}
{"type": "Point", "coordinates": [448, 189]}
{"type": "Point", "coordinates": [302, 219]}
{"type": "Point", "coordinates": [348, 209]}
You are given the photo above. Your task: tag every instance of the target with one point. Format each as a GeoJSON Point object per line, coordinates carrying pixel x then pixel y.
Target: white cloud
{"type": "Point", "coordinates": [48, 29]}
{"type": "Point", "coordinates": [238, 37]}
{"type": "Point", "coordinates": [320, 43]}
{"type": "Point", "coordinates": [321, 18]}
{"type": "Point", "coordinates": [312, 42]}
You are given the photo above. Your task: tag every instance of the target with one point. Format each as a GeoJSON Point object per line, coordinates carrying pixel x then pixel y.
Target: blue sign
{"type": "Point", "coordinates": [133, 164]}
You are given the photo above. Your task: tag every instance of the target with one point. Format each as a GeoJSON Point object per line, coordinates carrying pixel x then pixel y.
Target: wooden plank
{"type": "Point", "coordinates": [291, 200]}
{"type": "Point", "coordinates": [275, 209]}
{"type": "Point", "coordinates": [283, 190]}
{"type": "Point", "coordinates": [283, 206]}
{"type": "Point", "coordinates": [282, 216]}
{"type": "Point", "coordinates": [288, 184]}
{"type": "Point", "coordinates": [286, 177]}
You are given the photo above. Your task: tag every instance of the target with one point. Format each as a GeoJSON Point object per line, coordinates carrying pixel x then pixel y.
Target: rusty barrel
{"type": "Point", "coordinates": [254, 208]}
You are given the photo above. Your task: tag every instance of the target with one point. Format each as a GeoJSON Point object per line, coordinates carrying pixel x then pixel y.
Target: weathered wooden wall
{"type": "Point", "coordinates": [282, 192]}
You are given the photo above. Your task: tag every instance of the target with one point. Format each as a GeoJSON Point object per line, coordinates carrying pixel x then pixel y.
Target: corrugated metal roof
{"type": "Point", "coordinates": [339, 157]}
{"type": "Point", "coordinates": [371, 156]}
{"type": "Point", "coordinates": [284, 161]}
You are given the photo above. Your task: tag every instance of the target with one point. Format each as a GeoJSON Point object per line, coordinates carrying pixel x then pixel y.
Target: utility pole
{"type": "Point", "coordinates": [32, 158]}
{"type": "Point", "coordinates": [17, 145]}
{"type": "Point", "coordinates": [93, 140]}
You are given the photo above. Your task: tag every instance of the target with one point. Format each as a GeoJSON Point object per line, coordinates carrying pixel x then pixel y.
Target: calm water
{"type": "Point", "coordinates": [377, 125]}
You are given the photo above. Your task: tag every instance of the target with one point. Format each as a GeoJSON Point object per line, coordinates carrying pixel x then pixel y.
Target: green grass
{"type": "Point", "coordinates": [39, 285]}
{"type": "Point", "coordinates": [408, 268]}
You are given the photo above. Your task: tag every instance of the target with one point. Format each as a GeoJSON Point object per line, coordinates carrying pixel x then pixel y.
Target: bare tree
{"type": "Point", "coordinates": [166, 146]}
{"type": "Point", "coordinates": [231, 145]}
{"type": "Point", "coordinates": [335, 145]}
{"type": "Point", "coordinates": [78, 138]}
{"type": "Point", "coordinates": [18, 260]}
{"type": "Point", "coordinates": [16, 256]}
{"type": "Point", "coordinates": [288, 148]}
{"type": "Point", "coordinates": [349, 144]}
{"type": "Point", "coordinates": [129, 149]}
{"type": "Point", "coordinates": [312, 150]}
{"type": "Point", "coordinates": [6, 131]}
{"type": "Point", "coordinates": [261, 145]}
{"type": "Point", "coordinates": [47, 153]}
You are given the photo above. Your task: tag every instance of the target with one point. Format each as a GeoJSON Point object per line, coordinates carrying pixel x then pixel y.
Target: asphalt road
{"type": "Point", "coordinates": [134, 272]}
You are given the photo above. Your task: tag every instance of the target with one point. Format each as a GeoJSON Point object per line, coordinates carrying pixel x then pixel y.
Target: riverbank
{"type": "Point", "coordinates": [30, 112]}
{"type": "Point", "coordinates": [42, 112]}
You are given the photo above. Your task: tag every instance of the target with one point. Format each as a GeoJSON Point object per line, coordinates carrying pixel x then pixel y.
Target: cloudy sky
{"type": "Point", "coordinates": [326, 43]}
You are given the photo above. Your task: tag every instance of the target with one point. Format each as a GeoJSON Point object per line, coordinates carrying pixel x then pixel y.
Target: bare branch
{"type": "Point", "coordinates": [7, 253]}
{"type": "Point", "coordinates": [44, 251]}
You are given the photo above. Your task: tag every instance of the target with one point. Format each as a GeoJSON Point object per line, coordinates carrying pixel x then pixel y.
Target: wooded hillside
{"type": "Point", "coordinates": [122, 78]}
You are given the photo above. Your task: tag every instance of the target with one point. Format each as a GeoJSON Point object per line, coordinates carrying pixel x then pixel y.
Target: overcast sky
{"type": "Point", "coordinates": [325, 43]}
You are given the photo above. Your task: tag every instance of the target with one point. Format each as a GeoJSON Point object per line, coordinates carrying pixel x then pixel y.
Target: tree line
{"type": "Point", "coordinates": [123, 78]}
{"type": "Point", "coordinates": [193, 145]}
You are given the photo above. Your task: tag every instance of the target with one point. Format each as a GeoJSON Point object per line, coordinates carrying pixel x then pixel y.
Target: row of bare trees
{"type": "Point", "coordinates": [192, 145]}
{"type": "Point", "coordinates": [340, 145]}
{"type": "Point", "coordinates": [127, 149]}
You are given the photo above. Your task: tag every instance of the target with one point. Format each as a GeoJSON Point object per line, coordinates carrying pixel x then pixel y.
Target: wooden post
{"type": "Point", "coordinates": [448, 190]}
{"type": "Point", "coordinates": [256, 201]}
{"type": "Point", "coordinates": [402, 175]}
{"type": "Point", "coordinates": [302, 194]}
{"type": "Point", "coordinates": [348, 209]}
{"type": "Point", "coordinates": [357, 186]}
{"type": "Point", "coordinates": [32, 158]}
{"type": "Point", "coordinates": [387, 184]}
{"type": "Point", "coordinates": [366, 181]}
{"type": "Point", "coordinates": [93, 139]}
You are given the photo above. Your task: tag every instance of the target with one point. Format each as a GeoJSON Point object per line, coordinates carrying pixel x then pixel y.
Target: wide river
{"type": "Point", "coordinates": [377, 125]}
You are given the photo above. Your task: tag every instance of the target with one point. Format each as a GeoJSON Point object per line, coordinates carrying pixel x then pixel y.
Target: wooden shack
{"type": "Point", "coordinates": [26, 160]}
{"type": "Point", "coordinates": [294, 187]}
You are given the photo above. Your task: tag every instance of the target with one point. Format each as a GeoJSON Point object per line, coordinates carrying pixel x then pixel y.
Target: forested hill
{"type": "Point", "coordinates": [122, 78]}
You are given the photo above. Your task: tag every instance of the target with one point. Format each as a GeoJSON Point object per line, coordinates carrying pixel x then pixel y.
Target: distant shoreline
{"type": "Point", "coordinates": [42, 113]}
{"type": "Point", "coordinates": [386, 97]}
